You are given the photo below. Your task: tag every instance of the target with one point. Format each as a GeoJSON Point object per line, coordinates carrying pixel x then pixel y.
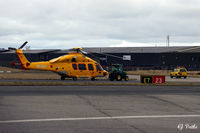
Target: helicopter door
{"type": "Point", "coordinates": [82, 70]}
{"type": "Point", "coordinates": [75, 68]}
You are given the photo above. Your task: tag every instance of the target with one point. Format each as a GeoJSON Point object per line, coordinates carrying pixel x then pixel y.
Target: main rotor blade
{"type": "Point", "coordinates": [10, 48]}
{"type": "Point", "coordinates": [107, 55]}
{"type": "Point", "coordinates": [111, 55]}
{"type": "Point", "coordinates": [49, 51]}
{"type": "Point", "coordinates": [23, 45]}
{"type": "Point", "coordinates": [84, 52]}
{"type": "Point", "coordinates": [2, 51]}
{"type": "Point", "coordinates": [94, 57]}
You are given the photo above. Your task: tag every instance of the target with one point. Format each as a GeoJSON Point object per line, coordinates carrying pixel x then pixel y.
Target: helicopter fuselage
{"type": "Point", "coordinates": [73, 65]}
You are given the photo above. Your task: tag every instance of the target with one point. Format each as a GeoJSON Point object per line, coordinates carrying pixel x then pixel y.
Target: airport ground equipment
{"type": "Point", "coordinates": [179, 72]}
{"type": "Point", "coordinates": [117, 73]}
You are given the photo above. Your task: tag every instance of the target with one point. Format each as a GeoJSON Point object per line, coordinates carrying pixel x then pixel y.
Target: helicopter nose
{"type": "Point", "coordinates": [105, 73]}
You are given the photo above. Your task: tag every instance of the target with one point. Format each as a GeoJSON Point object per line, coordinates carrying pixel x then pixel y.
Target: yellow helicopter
{"type": "Point", "coordinates": [73, 65]}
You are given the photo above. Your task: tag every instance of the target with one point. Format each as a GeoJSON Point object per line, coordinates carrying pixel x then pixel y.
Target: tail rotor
{"type": "Point", "coordinates": [14, 49]}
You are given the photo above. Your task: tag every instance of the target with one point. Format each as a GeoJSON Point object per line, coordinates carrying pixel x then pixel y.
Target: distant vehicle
{"type": "Point", "coordinates": [117, 73]}
{"type": "Point", "coordinates": [179, 72]}
{"type": "Point", "coordinates": [73, 65]}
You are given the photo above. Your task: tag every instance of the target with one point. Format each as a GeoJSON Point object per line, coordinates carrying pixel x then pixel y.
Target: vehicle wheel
{"type": "Point", "coordinates": [172, 77]}
{"type": "Point", "coordinates": [93, 78]}
{"type": "Point", "coordinates": [126, 78]}
{"type": "Point", "coordinates": [62, 78]}
{"type": "Point", "coordinates": [74, 78]}
{"type": "Point", "coordinates": [118, 77]}
{"type": "Point", "coordinates": [185, 77]}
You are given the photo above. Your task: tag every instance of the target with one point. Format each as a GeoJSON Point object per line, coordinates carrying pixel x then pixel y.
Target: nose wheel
{"type": "Point", "coordinates": [62, 78]}
{"type": "Point", "coordinates": [74, 78]}
{"type": "Point", "coordinates": [93, 79]}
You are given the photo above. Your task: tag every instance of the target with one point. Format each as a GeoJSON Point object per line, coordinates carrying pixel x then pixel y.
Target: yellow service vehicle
{"type": "Point", "coordinates": [179, 72]}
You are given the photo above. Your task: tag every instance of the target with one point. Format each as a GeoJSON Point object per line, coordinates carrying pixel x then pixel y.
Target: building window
{"type": "Point", "coordinates": [82, 66]}
{"type": "Point", "coordinates": [90, 67]}
{"type": "Point", "coordinates": [74, 66]}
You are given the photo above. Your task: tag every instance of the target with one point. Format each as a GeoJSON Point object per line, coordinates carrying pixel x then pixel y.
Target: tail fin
{"type": "Point", "coordinates": [23, 60]}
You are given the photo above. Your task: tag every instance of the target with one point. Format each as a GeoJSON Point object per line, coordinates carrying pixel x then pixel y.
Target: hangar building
{"type": "Point", "coordinates": [131, 57]}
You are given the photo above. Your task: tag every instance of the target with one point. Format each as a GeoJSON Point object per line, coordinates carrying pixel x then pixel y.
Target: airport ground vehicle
{"type": "Point", "coordinates": [73, 65]}
{"type": "Point", "coordinates": [179, 72]}
{"type": "Point", "coordinates": [117, 73]}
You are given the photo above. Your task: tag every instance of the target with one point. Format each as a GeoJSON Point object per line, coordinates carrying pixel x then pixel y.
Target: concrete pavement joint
{"type": "Point", "coordinates": [97, 118]}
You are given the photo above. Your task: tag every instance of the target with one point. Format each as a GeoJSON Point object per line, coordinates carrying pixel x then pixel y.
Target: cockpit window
{"type": "Point", "coordinates": [99, 68]}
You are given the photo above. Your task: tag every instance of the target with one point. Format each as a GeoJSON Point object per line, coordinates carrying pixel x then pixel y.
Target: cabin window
{"type": "Point", "coordinates": [74, 66]}
{"type": "Point", "coordinates": [99, 68]}
{"type": "Point", "coordinates": [90, 67]}
{"type": "Point", "coordinates": [82, 66]}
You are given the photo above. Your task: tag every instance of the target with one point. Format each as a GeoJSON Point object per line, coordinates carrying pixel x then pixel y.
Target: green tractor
{"type": "Point", "coordinates": [117, 73]}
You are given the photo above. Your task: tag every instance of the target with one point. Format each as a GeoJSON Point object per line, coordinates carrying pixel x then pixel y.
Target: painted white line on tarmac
{"type": "Point", "coordinates": [97, 118]}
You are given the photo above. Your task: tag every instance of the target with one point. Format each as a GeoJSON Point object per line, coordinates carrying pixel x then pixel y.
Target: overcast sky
{"type": "Point", "coordinates": [94, 23]}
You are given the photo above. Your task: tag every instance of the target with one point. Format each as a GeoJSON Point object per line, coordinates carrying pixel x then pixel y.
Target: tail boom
{"type": "Point", "coordinates": [25, 64]}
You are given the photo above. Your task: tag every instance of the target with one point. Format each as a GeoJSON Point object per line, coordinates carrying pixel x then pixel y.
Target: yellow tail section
{"type": "Point", "coordinates": [25, 64]}
{"type": "Point", "coordinates": [23, 60]}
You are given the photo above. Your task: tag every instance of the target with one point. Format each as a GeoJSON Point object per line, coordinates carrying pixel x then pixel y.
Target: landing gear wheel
{"type": "Point", "coordinates": [126, 78]}
{"type": "Point", "coordinates": [74, 78]}
{"type": "Point", "coordinates": [185, 77]}
{"type": "Point", "coordinates": [118, 77]}
{"type": "Point", "coordinates": [62, 78]}
{"type": "Point", "coordinates": [171, 77]}
{"type": "Point", "coordinates": [93, 78]}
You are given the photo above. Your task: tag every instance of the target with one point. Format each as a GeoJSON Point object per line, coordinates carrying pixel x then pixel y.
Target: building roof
{"type": "Point", "coordinates": [120, 50]}
{"type": "Point", "coordinates": [135, 49]}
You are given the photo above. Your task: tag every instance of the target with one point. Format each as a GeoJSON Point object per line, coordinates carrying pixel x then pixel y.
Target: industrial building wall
{"type": "Point", "coordinates": [131, 61]}
{"type": "Point", "coordinates": [156, 60]}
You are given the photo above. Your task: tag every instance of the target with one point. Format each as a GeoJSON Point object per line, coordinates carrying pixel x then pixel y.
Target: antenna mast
{"type": "Point", "coordinates": [168, 41]}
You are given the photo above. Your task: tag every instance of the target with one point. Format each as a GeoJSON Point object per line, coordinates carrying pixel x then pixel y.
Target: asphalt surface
{"type": "Point", "coordinates": [133, 79]}
{"type": "Point", "coordinates": [66, 81]}
{"type": "Point", "coordinates": [99, 109]}
{"type": "Point", "coordinates": [171, 80]}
